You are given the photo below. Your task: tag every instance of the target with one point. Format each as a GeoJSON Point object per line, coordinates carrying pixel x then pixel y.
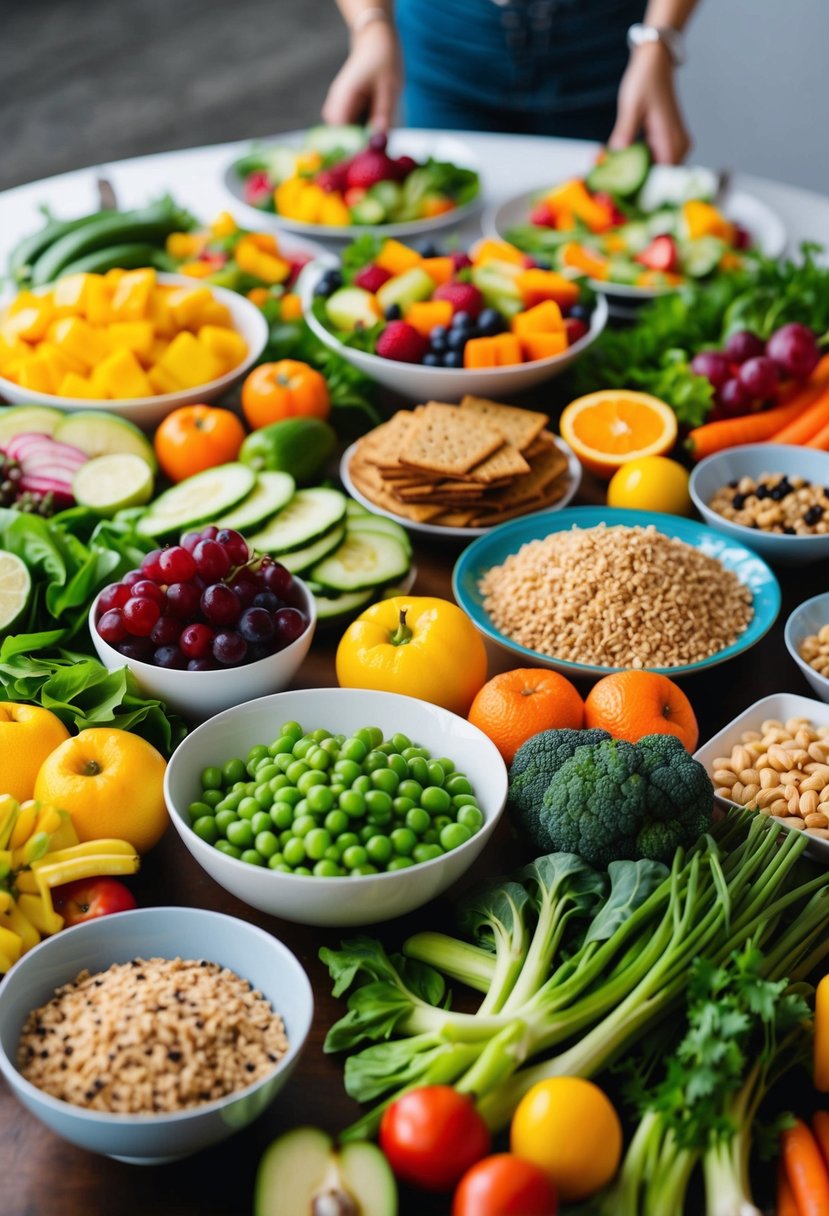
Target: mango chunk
{"type": "Point", "coordinates": [137, 336]}
{"type": "Point", "coordinates": [228, 346]}
{"type": "Point", "coordinates": [123, 376]}
{"type": "Point", "coordinates": [131, 298]}
{"type": "Point", "coordinates": [80, 340]}
{"type": "Point", "coordinates": [73, 385]}
{"type": "Point", "coordinates": [187, 305]}
{"type": "Point", "coordinates": [97, 299]}
{"type": "Point", "coordinates": [397, 258]}
{"type": "Point", "coordinates": [29, 320]}
{"type": "Point", "coordinates": [37, 376]}
{"type": "Point", "coordinates": [162, 381]}
{"type": "Point", "coordinates": [189, 362]}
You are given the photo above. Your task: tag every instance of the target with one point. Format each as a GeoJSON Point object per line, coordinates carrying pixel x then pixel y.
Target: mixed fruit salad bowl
{"type": "Point", "coordinates": [336, 179]}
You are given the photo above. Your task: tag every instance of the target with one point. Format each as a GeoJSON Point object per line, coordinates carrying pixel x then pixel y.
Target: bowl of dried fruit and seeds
{"type": "Point", "coordinates": [807, 641]}
{"type": "Point", "coordinates": [773, 497]}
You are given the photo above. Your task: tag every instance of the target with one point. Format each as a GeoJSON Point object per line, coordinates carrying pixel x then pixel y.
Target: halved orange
{"type": "Point", "coordinates": [608, 428]}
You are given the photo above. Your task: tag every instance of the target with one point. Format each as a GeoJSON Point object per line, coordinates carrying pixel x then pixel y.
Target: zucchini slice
{"type": "Point", "coordinates": [271, 493]}
{"type": "Point", "coordinates": [331, 608]}
{"type": "Point", "coordinates": [198, 499]}
{"type": "Point", "coordinates": [297, 560]}
{"type": "Point", "coordinates": [308, 516]}
{"type": "Point", "coordinates": [379, 523]}
{"type": "Point", "coordinates": [363, 560]}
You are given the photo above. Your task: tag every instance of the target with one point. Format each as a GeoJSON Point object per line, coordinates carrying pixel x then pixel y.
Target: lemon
{"type": "Point", "coordinates": [15, 587]}
{"type": "Point", "coordinates": [651, 483]}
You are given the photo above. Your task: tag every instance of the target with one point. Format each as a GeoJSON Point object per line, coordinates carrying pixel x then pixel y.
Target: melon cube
{"type": "Point", "coordinates": [543, 346]}
{"type": "Point", "coordinates": [545, 318]}
{"type": "Point", "coordinates": [397, 258]}
{"type": "Point", "coordinates": [189, 361]}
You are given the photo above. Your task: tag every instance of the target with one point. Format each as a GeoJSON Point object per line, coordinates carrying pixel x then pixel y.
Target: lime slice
{"type": "Point", "coordinates": [109, 483]}
{"type": "Point", "coordinates": [15, 585]}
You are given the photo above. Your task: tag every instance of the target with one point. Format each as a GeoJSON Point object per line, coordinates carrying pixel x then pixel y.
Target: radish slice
{"type": "Point", "coordinates": [42, 462]}
{"type": "Point", "coordinates": [23, 446]}
{"type": "Point", "coordinates": [46, 485]}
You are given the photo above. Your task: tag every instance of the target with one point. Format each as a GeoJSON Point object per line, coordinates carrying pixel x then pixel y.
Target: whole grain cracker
{"type": "Point", "coordinates": [518, 426]}
{"type": "Point", "coordinates": [446, 442]}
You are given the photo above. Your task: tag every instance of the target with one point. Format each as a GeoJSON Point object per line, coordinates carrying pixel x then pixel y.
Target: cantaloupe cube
{"type": "Point", "coordinates": [397, 258]}
{"type": "Point", "coordinates": [131, 298]}
{"type": "Point", "coordinates": [137, 336]}
{"type": "Point", "coordinates": [544, 318]}
{"type": "Point", "coordinates": [480, 352]}
{"type": "Point", "coordinates": [426, 314]}
{"type": "Point", "coordinates": [189, 361]}
{"type": "Point", "coordinates": [228, 346]}
{"type": "Point", "coordinates": [162, 381]}
{"type": "Point", "coordinates": [73, 385]}
{"type": "Point", "coordinates": [37, 376]}
{"type": "Point", "coordinates": [187, 306]}
{"type": "Point", "coordinates": [536, 285]}
{"type": "Point", "coordinates": [123, 376]}
{"type": "Point", "coordinates": [488, 250]}
{"type": "Point", "coordinates": [543, 346]}
{"type": "Point", "coordinates": [81, 340]}
{"type": "Point", "coordinates": [507, 350]}
{"type": "Point", "coordinates": [97, 300]}
{"type": "Point", "coordinates": [440, 269]}
{"type": "Point", "coordinates": [30, 319]}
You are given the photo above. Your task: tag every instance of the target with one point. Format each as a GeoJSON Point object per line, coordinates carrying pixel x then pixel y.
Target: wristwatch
{"type": "Point", "coordinates": [672, 40]}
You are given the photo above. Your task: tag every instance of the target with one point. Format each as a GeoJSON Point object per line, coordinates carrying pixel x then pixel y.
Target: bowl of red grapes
{"type": "Point", "coordinates": [205, 624]}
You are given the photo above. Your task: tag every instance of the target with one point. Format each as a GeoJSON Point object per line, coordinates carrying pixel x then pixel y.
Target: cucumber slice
{"type": "Point", "coordinates": [308, 516]}
{"type": "Point", "coordinates": [379, 523]}
{"type": "Point", "coordinates": [111, 483]}
{"type": "Point", "coordinates": [364, 559]}
{"type": "Point", "coordinates": [271, 493]}
{"type": "Point", "coordinates": [331, 608]}
{"type": "Point", "coordinates": [702, 256]}
{"type": "Point", "coordinates": [354, 508]}
{"type": "Point", "coordinates": [105, 435]}
{"type": "Point", "coordinates": [303, 559]}
{"type": "Point", "coordinates": [15, 588]}
{"type": "Point", "coordinates": [328, 140]}
{"type": "Point", "coordinates": [622, 172]}
{"type": "Point", "coordinates": [198, 499]}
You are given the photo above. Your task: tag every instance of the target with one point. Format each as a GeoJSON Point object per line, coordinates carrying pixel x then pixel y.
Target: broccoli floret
{"type": "Point", "coordinates": [530, 773]}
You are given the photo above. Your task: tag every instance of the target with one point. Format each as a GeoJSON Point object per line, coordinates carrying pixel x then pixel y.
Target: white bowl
{"type": "Point", "coordinates": [200, 694]}
{"type": "Point", "coordinates": [189, 933]}
{"type": "Point", "coordinates": [780, 705]}
{"type": "Point", "coordinates": [808, 618]}
{"type": "Point", "coordinates": [421, 383]}
{"type": "Point", "coordinates": [362, 900]}
{"type": "Point", "coordinates": [148, 411]}
{"type": "Point", "coordinates": [750, 461]}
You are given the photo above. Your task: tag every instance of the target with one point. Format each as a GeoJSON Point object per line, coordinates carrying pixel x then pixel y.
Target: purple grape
{"type": "Point", "coordinates": [170, 656]}
{"type": "Point", "coordinates": [256, 625]}
{"type": "Point", "coordinates": [183, 600]}
{"type": "Point", "coordinates": [229, 648]}
{"type": "Point", "coordinates": [235, 544]}
{"type": "Point", "coordinates": [165, 631]}
{"type": "Point", "coordinates": [201, 665]}
{"type": "Point", "coordinates": [212, 560]}
{"type": "Point", "coordinates": [744, 345]}
{"type": "Point", "coordinates": [267, 599]}
{"type": "Point", "coordinates": [245, 588]}
{"type": "Point", "coordinates": [277, 579]}
{"type": "Point", "coordinates": [733, 397]}
{"type": "Point", "coordinates": [112, 629]}
{"type": "Point", "coordinates": [713, 365]}
{"type": "Point", "coordinates": [795, 350]}
{"type": "Point", "coordinates": [220, 604]}
{"type": "Point", "coordinates": [290, 624]}
{"type": "Point", "coordinates": [759, 377]}
{"type": "Point", "coordinates": [138, 649]}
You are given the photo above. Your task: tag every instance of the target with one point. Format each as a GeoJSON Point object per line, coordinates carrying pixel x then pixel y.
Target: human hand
{"type": "Point", "coordinates": [369, 81]}
{"type": "Point", "coordinates": [648, 101]}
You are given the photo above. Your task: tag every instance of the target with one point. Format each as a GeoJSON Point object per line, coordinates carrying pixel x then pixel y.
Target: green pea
{"type": "Point", "coordinates": [454, 835]}
{"type": "Point", "coordinates": [284, 836]}
{"type": "Point", "coordinates": [295, 770]}
{"type": "Point", "coordinates": [294, 851]}
{"type": "Point", "coordinates": [346, 840]}
{"type": "Point", "coordinates": [435, 800]}
{"type": "Point", "coordinates": [212, 797]}
{"type": "Point", "coordinates": [401, 742]}
{"type": "Point", "coordinates": [429, 837]}
{"type": "Point", "coordinates": [240, 833]}
{"type": "Point", "coordinates": [320, 799]}
{"type": "Point", "coordinates": [426, 852]}
{"type": "Point", "coordinates": [418, 820]}
{"type": "Point", "coordinates": [436, 774]}
{"type": "Point", "coordinates": [301, 807]}
{"type": "Point", "coordinates": [354, 856]}
{"type": "Point", "coordinates": [446, 764]}
{"type": "Point", "coordinates": [378, 802]}
{"type": "Point", "coordinates": [367, 868]}
{"type": "Point", "coordinates": [252, 857]}
{"type": "Point", "coordinates": [353, 804]}
{"type": "Point", "coordinates": [458, 784]}
{"type": "Point", "coordinates": [332, 745]}
{"type": "Point", "coordinates": [402, 806]}
{"type": "Point", "coordinates": [459, 800]}
{"type": "Point", "coordinates": [281, 746]}
{"type": "Point", "coordinates": [346, 771]}
{"type": "Point", "coordinates": [229, 850]}
{"type": "Point", "coordinates": [197, 810]}
{"type": "Point", "coordinates": [374, 760]}
{"type": "Point", "coordinates": [303, 824]}
{"type": "Point", "coordinates": [440, 822]}
{"type": "Point", "coordinates": [261, 822]}
{"type": "Point", "coordinates": [410, 789]}
{"type": "Point", "coordinates": [316, 842]}
{"type": "Point", "coordinates": [419, 770]}
{"type": "Point", "coordinates": [403, 840]}
{"type": "Point", "coordinates": [292, 730]}
{"type": "Point", "coordinates": [302, 871]}
{"type": "Point", "coordinates": [233, 771]}
{"type": "Point", "coordinates": [337, 788]}
{"type": "Point", "coordinates": [284, 761]}
{"type": "Point", "coordinates": [311, 778]}
{"type": "Point", "coordinates": [266, 771]}
{"type": "Point", "coordinates": [303, 746]}
{"type": "Point", "coordinates": [370, 735]}
{"type": "Point", "coordinates": [212, 778]}
{"type": "Point", "coordinates": [325, 868]}
{"type": "Point", "coordinates": [277, 783]}
{"type": "Point", "coordinates": [206, 828]}
{"type": "Point", "coordinates": [277, 862]}
{"type": "Point", "coordinates": [471, 817]}
{"type": "Point", "coordinates": [291, 795]}
{"type": "Point", "coordinates": [320, 759]}
{"type": "Point", "coordinates": [353, 749]}
{"type": "Point", "coordinates": [263, 796]}
{"type": "Point", "coordinates": [385, 779]}
{"type": "Point", "coordinates": [266, 844]}
{"type": "Point", "coordinates": [320, 734]}
{"type": "Point", "coordinates": [362, 785]}
{"type": "Point", "coordinates": [257, 753]}
{"type": "Point", "coordinates": [333, 852]}
{"type": "Point", "coordinates": [240, 788]}
{"type": "Point", "coordinates": [379, 849]}
{"type": "Point", "coordinates": [411, 753]}
{"type": "Point", "coordinates": [282, 815]}
{"type": "Point", "coordinates": [400, 863]}
{"type": "Point", "coordinates": [398, 765]}
{"type": "Point", "coordinates": [366, 832]}
{"type": "Point", "coordinates": [247, 808]}
{"type": "Point", "coordinates": [224, 819]}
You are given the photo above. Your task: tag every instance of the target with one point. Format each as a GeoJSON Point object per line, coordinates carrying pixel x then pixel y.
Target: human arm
{"type": "Point", "coordinates": [647, 97]}
{"type": "Point", "coordinates": [368, 83]}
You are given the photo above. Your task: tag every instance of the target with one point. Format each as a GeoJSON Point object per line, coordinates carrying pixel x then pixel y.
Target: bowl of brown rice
{"type": "Point", "coordinates": [152, 1034]}
{"type": "Point", "coordinates": [591, 590]}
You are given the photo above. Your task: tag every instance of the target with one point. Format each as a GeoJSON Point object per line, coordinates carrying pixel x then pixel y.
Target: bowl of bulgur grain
{"type": "Point", "coordinates": [807, 641]}
{"type": "Point", "coordinates": [773, 497]}
{"type": "Point", "coordinates": [591, 590]}
{"type": "Point", "coordinates": [152, 1034]}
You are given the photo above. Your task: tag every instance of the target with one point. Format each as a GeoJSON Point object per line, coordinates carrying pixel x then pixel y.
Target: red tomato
{"type": "Point", "coordinates": [505, 1185]}
{"type": "Point", "coordinates": [431, 1136]}
{"type": "Point", "coordinates": [91, 897]}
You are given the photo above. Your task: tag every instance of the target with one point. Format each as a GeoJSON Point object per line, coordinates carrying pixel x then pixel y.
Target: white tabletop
{"type": "Point", "coordinates": [508, 164]}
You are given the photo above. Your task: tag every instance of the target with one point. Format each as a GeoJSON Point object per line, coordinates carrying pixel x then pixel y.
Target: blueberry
{"type": "Point", "coordinates": [542, 263]}
{"type": "Point", "coordinates": [394, 312]}
{"type": "Point", "coordinates": [322, 288]}
{"type": "Point", "coordinates": [738, 501]}
{"type": "Point", "coordinates": [430, 250]}
{"type": "Point", "coordinates": [439, 331]}
{"type": "Point", "coordinates": [432, 358]}
{"type": "Point", "coordinates": [456, 339]}
{"type": "Point", "coordinates": [454, 358]}
{"type": "Point", "coordinates": [580, 312]}
{"type": "Point", "coordinates": [490, 322]}
{"type": "Point", "coordinates": [437, 344]}
{"type": "Point", "coordinates": [813, 515]}
{"type": "Point", "coordinates": [461, 320]}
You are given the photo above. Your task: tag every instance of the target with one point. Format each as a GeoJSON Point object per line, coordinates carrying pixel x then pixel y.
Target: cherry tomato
{"type": "Point", "coordinates": [287, 389]}
{"type": "Point", "coordinates": [431, 1136]}
{"type": "Point", "coordinates": [505, 1185]}
{"type": "Point", "coordinates": [197, 437]}
{"type": "Point", "coordinates": [89, 898]}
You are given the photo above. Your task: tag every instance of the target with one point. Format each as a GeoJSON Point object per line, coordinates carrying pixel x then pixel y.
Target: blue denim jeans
{"type": "Point", "coordinates": [541, 67]}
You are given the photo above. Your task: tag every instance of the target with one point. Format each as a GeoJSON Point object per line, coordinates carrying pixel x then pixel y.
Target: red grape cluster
{"type": "Point", "coordinates": [201, 605]}
{"type": "Point", "coordinates": [747, 371]}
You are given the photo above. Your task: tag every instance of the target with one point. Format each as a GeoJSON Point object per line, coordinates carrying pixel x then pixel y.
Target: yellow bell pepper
{"type": "Point", "coordinates": [419, 646]}
{"type": "Point", "coordinates": [821, 1037]}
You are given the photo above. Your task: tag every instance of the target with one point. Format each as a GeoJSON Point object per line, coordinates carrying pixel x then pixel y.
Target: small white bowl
{"type": "Point", "coordinates": [200, 694]}
{"type": "Point", "coordinates": [750, 461]}
{"type": "Point", "coordinates": [421, 383]}
{"type": "Point", "coordinates": [189, 933]}
{"type": "Point", "coordinates": [148, 411]}
{"type": "Point", "coordinates": [362, 900]}
{"type": "Point", "coordinates": [807, 619]}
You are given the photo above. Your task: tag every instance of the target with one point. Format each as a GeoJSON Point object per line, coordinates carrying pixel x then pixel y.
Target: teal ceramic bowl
{"type": "Point", "coordinates": [498, 544]}
{"type": "Point", "coordinates": [155, 933]}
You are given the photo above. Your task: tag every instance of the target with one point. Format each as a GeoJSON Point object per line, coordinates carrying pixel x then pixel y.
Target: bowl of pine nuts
{"type": "Point", "coordinates": [774, 759]}
{"type": "Point", "coordinates": [807, 641]}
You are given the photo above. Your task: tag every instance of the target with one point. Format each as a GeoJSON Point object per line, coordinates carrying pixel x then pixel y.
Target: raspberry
{"type": "Point", "coordinates": [371, 278]}
{"type": "Point", "coordinates": [402, 342]}
{"type": "Point", "coordinates": [460, 261]}
{"type": "Point", "coordinates": [368, 168]}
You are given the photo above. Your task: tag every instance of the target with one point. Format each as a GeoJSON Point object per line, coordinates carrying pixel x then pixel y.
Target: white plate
{"type": "Point", "coordinates": [780, 705]}
{"type": "Point", "coordinates": [665, 182]}
{"type": "Point", "coordinates": [418, 144]}
{"type": "Point", "coordinates": [574, 471]}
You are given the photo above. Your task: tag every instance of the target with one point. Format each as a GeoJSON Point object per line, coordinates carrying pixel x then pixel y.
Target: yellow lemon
{"type": "Point", "coordinates": [651, 483]}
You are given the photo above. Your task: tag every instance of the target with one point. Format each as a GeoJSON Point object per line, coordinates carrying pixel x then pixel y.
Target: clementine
{"type": "Point", "coordinates": [632, 704]}
{"type": "Point", "coordinates": [514, 706]}
{"type": "Point", "coordinates": [27, 735]}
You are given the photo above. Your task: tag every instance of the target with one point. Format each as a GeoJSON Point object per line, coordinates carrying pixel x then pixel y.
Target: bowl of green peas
{"type": "Point", "coordinates": [301, 805]}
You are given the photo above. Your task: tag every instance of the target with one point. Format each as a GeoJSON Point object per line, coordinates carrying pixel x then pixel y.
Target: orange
{"type": "Point", "coordinates": [514, 706]}
{"type": "Point", "coordinates": [112, 784]}
{"type": "Point", "coordinates": [197, 437]}
{"type": "Point", "coordinates": [609, 428]}
{"type": "Point", "coordinates": [631, 704]}
{"type": "Point", "coordinates": [27, 735]}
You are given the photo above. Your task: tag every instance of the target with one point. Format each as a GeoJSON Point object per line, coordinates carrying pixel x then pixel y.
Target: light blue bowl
{"type": "Point", "coordinates": [501, 542]}
{"type": "Point", "coordinates": [808, 618]}
{"type": "Point", "coordinates": [750, 461]}
{"type": "Point", "coordinates": [155, 933]}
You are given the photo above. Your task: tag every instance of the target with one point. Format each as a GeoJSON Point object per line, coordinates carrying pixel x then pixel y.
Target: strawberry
{"type": "Point", "coordinates": [463, 297]}
{"type": "Point", "coordinates": [543, 216]}
{"type": "Point", "coordinates": [367, 168]}
{"type": "Point", "coordinates": [371, 277]}
{"type": "Point", "coordinates": [575, 329]}
{"type": "Point", "coordinates": [405, 165]}
{"type": "Point", "coordinates": [661, 254]}
{"type": "Point", "coordinates": [257, 189]}
{"type": "Point", "coordinates": [297, 264]}
{"type": "Point", "coordinates": [334, 179]}
{"type": "Point", "coordinates": [402, 342]}
{"type": "Point", "coordinates": [460, 261]}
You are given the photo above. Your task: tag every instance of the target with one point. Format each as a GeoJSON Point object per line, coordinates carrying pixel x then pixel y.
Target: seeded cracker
{"type": "Point", "coordinates": [446, 442]}
{"type": "Point", "coordinates": [519, 427]}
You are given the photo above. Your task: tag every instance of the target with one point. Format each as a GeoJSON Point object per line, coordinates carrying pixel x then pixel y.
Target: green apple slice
{"type": "Point", "coordinates": [101, 434]}
{"type": "Point", "coordinates": [109, 483]}
{"type": "Point", "coordinates": [15, 586]}
{"type": "Point", "coordinates": [28, 420]}
{"type": "Point", "coordinates": [302, 1174]}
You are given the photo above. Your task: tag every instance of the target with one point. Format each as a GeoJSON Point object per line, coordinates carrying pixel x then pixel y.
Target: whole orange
{"type": "Point", "coordinates": [514, 706]}
{"type": "Point", "coordinates": [287, 389]}
{"type": "Point", "coordinates": [632, 704]}
{"type": "Point", "coordinates": [197, 437]}
{"type": "Point", "coordinates": [27, 735]}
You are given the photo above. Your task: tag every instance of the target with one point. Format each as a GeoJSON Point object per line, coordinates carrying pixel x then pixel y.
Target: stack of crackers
{"type": "Point", "coordinates": [463, 466]}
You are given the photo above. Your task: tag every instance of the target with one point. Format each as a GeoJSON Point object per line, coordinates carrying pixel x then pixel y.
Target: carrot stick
{"type": "Point", "coordinates": [785, 1205]}
{"type": "Point", "coordinates": [807, 424]}
{"type": "Point", "coordinates": [820, 1130]}
{"type": "Point", "coordinates": [821, 439]}
{"type": "Point", "coordinates": [732, 432]}
{"type": "Point", "coordinates": [805, 1170]}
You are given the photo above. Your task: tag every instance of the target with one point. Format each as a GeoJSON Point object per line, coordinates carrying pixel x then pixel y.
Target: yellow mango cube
{"type": "Point", "coordinates": [228, 346]}
{"type": "Point", "coordinates": [137, 336]}
{"type": "Point", "coordinates": [73, 385]}
{"type": "Point", "coordinates": [113, 277]}
{"type": "Point", "coordinates": [100, 383]}
{"type": "Point", "coordinates": [181, 245]}
{"type": "Point", "coordinates": [161, 314]}
{"type": "Point", "coordinates": [62, 358]}
{"type": "Point", "coordinates": [216, 313]}
{"type": "Point", "coordinates": [11, 349]}
{"type": "Point", "coordinates": [196, 270]}
{"type": "Point", "coordinates": [97, 299]}
{"type": "Point", "coordinates": [68, 295]}
{"type": "Point", "coordinates": [132, 293]}
{"type": "Point", "coordinates": [334, 212]}
{"type": "Point", "coordinates": [78, 338]}
{"type": "Point", "coordinates": [267, 266]}
{"type": "Point", "coordinates": [223, 225]}
{"type": "Point", "coordinates": [190, 362]}
{"type": "Point", "coordinates": [187, 305]}
{"type": "Point", "coordinates": [123, 376]}
{"type": "Point", "coordinates": [155, 352]}
{"type": "Point", "coordinates": [14, 367]}
{"type": "Point", "coordinates": [37, 376]}
{"type": "Point", "coordinates": [29, 320]}
{"type": "Point", "coordinates": [162, 381]}
{"type": "Point", "coordinates": [309, 204]}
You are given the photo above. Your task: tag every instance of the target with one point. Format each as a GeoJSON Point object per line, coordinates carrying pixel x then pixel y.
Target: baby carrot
{"type": "Point", "coordinates": [820, 1050]}
{"type": "Point", "coordinates": [805, 1170]}
{"type": "Point", "coordinates": [821, 439]}
{"type": "Point", "coordinates": [785, 1205]}
{"type": "Point", "coordinates": [732, 432]}
{"type": "Point", "coordinates": [820, 1130]}
{"type": "Point", "coordinates": [807, 424]}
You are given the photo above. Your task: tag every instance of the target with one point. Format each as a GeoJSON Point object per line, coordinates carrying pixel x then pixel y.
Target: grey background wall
{"type": "Point", "coordinates": [86, 81]}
